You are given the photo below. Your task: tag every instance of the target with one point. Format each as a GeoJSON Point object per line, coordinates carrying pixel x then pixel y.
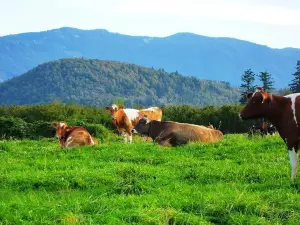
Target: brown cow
{"type": "Point", "coordinates": [170, 133]}
{"type": "Point", "coordinates": [126, 119]}
{"type": "Point", "coordinates": [284, 113]}
{"type": "Point", "coordinates": [73, 136]}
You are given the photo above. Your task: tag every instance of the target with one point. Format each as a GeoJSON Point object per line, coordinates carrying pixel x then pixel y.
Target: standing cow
{"type": "Point", "coordinates": [126, 119]}
{"type": "Point", "coordinates": [73, 136]}
{"type": "Point", "coordinates": [284, 113]}
{"type": "Point", "coordinates": [170, 133]}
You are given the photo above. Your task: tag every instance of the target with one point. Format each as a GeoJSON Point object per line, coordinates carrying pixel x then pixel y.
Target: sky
{"type": "Point", "coordinates": [275, 23]}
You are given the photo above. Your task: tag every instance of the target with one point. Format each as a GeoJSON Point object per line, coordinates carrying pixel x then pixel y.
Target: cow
{"type": "Point", "coordinates": [169, 133]}
{"type": "Point", "coordinates": [210, 126]}
{"type": "Point", "coordinates": [73, 136]}
{"type": "Point", "coordinates": [284, 113]}
{"type": "Point", "coordinates": [125, 119]}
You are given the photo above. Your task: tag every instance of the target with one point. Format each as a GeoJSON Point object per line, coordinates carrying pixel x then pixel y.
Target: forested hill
{"type": "Point", "coordinates": [189, 54]}
{"type": "Point", "coordinates": [98, 83]}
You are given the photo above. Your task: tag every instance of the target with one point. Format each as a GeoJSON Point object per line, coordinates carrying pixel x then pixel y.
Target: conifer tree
{"type": "Point", "coordinates": [295, 85]}
{"type": "Point", "coordinates": [267, 81]}
{"type": "Point", "coordinates": [247, 85]}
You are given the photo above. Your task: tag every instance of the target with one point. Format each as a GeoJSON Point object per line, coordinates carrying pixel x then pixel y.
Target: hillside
{"type": "Point", "coordinates": [222, 59]}
{"type": "Point", "coordinates": [98, 83]}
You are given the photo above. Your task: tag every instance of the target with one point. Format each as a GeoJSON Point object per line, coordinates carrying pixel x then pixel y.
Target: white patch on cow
{"type": "Point", "coordinates": [115, 107]}
{"type": "Point", "coordinates": [92, 141]}
{"type": "Point", "coordinates": [293, 104]}
{"type": "Point", "coordinates": [294, 163]}
{"type": "Point", "coordinates": [131, 114]}
{"type": "Point", "coordinates": [68, 141]}
{"type": "Point", "coordinates": [130, 139]}
{"type": "Point", "coordinates": [62, 124]}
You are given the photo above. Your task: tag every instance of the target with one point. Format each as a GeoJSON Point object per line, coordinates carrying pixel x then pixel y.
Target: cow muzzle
{"type": "Point", "coordinates": [134, 131]}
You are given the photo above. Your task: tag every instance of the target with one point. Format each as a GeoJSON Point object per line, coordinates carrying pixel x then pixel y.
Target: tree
{"type": "Point", "coordinates": [284, 91]}
{"type": "Point", "coordinates": [295, 85]}
{"type": "Point", "coordinates": [247, 86]}
{"type": "Point", "coordinates": [119, 101]}
{"type": "Point", "coordinates": [267, 81]}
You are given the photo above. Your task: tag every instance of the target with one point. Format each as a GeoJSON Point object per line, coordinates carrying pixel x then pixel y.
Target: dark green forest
{"type": "Point", "coordinates": [94, 82]}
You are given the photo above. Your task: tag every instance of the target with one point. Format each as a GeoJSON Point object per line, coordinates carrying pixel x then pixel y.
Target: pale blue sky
{"type": "Point", "coordinates": [275, 23]}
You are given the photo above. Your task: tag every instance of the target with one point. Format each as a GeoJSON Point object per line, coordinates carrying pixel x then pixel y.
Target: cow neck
{"type": "Point", "coordinates": [149, 128]}
{"type": "Point", "coordinates": [274, 113]}
{"type": "Point", "coordinates": [67, 134]}
{"type": "Point", "coordinates": [153, 131]}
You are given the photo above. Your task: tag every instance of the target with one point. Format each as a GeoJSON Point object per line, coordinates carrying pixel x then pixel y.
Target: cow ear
{"type": "Point", "coordinates": [120, 106]}
{"type": "Point", "coordinates": [107, 108]}
{"type": "Point", "coordinates": [249, 95]}
{"type": "Point", "coordinates": [54, 124]}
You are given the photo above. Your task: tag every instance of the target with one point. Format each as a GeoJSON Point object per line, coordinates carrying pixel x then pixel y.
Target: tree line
{"type": "Point", "coordinates": [267, 83]}
{"type": "Point", "coordinates": [34, 121]}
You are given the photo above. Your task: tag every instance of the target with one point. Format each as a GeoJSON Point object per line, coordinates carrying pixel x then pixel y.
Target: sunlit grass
{"type": "Point", "coordinates": [235, 181]}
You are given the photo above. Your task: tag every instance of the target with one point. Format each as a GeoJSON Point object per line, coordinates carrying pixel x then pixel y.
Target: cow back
{"type": "Point", "coordinates": [78, 136]}
{"type": "Point", "coordinates": [153, 113]}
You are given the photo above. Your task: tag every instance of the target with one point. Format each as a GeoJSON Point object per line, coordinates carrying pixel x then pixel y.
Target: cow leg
{"type": "Point", "coordinates": [164, 140]}
{"type": "Point", "coordinates": [124, 137]}
{"type": "Point", "coordinates": [129, 136]}
{"type": "Point", "coordinates": [165, 143]}
{"type": "Point", "coordinates": [130, 139]}
{"type": "Point", "coordinates": [294, 163]}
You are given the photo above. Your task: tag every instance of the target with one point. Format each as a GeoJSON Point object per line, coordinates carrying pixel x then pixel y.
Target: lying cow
{"type": "Point", "coordinates": [73, 136]}
{"type": "Point", "coordinates": [211, 126]}
{"type": "Point", "coordinates": [284, 113]}
{"type": "Point", "coordinates": [169, 133]}
{"type": "Point", "coordinates": [126, 119]}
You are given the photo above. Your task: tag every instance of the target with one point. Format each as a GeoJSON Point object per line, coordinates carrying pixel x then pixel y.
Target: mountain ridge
{"type": "Point", "coordinates": [213, 58]}
{"type": "Point", "coordinates": [100, 82]}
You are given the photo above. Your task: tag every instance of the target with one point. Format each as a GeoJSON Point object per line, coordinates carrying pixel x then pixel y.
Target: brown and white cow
{"type": "Point", "coordinates": [73, 136]}
{"type": "Point", "coordinates": [126, 119]}
{"type": "Point", "coordinates": [284, 113]}
{"type": "Point", "coordinates": [168, 133]}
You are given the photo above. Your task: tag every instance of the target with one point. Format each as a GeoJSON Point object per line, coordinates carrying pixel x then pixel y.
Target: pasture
{"type": "Point", "coordinates": [235, 181]}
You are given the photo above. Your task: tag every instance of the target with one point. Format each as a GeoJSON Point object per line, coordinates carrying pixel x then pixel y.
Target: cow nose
{"type": "Point", "coordinates": [134, 131]}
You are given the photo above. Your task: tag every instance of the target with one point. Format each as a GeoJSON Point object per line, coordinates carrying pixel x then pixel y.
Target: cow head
{"type": "Point", "coordinates": [61, 129]}
{"type": "Point", "coordinates": [113, 109]}
{"type": "Point", "coordinates": [142, 126]}
{"type": "Point", "coordinates": [257, 105]}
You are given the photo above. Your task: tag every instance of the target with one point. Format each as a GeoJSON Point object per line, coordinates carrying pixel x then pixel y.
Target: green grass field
{"type": "Point", "coordinates": [236, 181]}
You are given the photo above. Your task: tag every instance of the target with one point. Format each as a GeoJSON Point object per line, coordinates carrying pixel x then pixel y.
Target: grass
{"type": "Point", "coordinates": [235, 181]}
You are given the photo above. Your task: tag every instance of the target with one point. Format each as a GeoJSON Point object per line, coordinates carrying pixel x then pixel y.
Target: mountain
{"type": "Point", "coordinates": [222, 59]}
{"type": "Point", "coordinates": [99, 83]}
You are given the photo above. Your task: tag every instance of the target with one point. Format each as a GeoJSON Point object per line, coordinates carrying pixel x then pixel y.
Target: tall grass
{"type": "Point", "coordinates": [235, 181]}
